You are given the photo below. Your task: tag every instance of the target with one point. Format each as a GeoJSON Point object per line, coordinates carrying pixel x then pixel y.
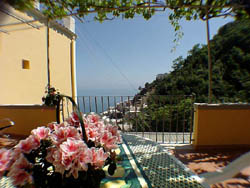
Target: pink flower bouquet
{"type": "Point", "coordinates": [57, 155]}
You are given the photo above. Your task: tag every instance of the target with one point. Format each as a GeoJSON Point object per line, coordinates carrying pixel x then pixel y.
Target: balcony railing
{"type": "Point", "coordinates": [166, 119]}
{"type": "Point", "coordinates": [162, 118]}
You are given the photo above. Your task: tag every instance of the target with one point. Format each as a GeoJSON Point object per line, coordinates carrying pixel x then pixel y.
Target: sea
{"type": "Point", "coordinates": [100, 100]}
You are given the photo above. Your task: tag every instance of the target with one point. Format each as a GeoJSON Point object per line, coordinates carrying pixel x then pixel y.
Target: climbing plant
{"type": "Point", "coordinates": [109, 9]}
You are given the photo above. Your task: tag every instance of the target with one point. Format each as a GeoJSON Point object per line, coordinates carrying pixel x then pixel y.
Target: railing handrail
{"type": "Point", "coordinates": [129, 95]}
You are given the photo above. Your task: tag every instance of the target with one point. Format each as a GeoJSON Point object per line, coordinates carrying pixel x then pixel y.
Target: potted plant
{"type": "Point", "coordinates": [56, 155]}
{"type": "Point", "coordinates": [52, 96]}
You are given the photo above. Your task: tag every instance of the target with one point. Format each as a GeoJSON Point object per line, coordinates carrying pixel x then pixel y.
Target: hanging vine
{"type": "Point", "coordinates": [109, 9]}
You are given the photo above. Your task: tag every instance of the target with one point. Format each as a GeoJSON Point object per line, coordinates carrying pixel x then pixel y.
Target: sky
{"type": "Point", "coordinates": [116, 57]}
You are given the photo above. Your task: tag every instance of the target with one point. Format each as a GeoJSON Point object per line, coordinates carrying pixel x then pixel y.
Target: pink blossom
{"type": "Point", "coordinates": [98, 157]}
{"type": "Point", "coordinates": [63, 124]}
{"type": "Point", "coordinates": [93, 118]}
{"type": "Point", "coordinates": [41, 132]}
{"type": "Point", "coordinates": [70, 147]}
{"type": "Point", "coordinates": [16, 153]}
{"type": "Point", "coordinates": [52, 125]}
{"type": "Point", "coordinates": [69, 153]}
{"type": "Point", "coordinates": [21, 163]}
{"type": "Point", "coordinates": [50, 153]}
{"type": "Point", "coordinates": [30, 143]}
{"type": "Point", "coordinates": [74, 120]}
{"type": "Point", "coordinates": [72, 155]}
{"type": "Point", "coordinates": [72, 132]}
{"type": "Point", "coordinates": [57, 162]}
{"type": "Point", "coordinates": [114, 131]}
{"type": "Point", "coordinates": [5, 158]}
{"type": "Point", "coordinates": [18, 171]}
{"type": "Point", "coordinates": [85, 157]}
{"type": "Point", "coordinates": [75, 150]}
{"type": "Point", "coordinates": [25, 145]}
{"type": "Point", "coordinates": [92, 134]}
{"type": "Point", "coordinates": [74, 170]}
{"type": "Point", "coordinates": [67, 161]}
{"type": "Point", "coordinates": [59, 135]}
{"type": "Point", "coordinates": [81, 161]}
{"type": "Point", "coordinates": [20, 177]}
{"type": "Point", "coordinates": [108, 141]}
{"type": "Point", "coordinates": [35, 140]}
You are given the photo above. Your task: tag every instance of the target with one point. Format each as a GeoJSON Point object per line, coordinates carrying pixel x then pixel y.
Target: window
{"type": "Point", "coordinates": [26, 64]}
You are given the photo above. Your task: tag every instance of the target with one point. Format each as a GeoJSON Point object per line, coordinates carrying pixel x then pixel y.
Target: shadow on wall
{"type": "Point", "coordinates": [3, 6]}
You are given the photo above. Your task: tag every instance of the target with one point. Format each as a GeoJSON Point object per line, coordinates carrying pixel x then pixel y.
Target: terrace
{"type": "Point", "coordinates": [162, 147]}
{"type": "Point", "coordinates": [171, 153]}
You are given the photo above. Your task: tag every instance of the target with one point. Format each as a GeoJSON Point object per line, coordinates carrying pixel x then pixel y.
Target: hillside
{"type": "Point", "coordinates": [230, 50]}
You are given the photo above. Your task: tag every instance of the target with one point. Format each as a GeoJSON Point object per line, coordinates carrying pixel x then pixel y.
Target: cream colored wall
{"type": "Point", "coordinates": [21, 86]}
{"type": "Point", "coordinates": [60, 63]}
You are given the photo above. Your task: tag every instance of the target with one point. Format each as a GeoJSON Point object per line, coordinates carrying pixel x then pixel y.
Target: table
{"type": "Point", "coordinates": [146, 164]}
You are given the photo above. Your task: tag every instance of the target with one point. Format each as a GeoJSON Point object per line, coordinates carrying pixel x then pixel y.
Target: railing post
{"type": "Point", "coordinates": [78, 101]}
{"type": "Point", "coordinates": [102, 104]}
{"type": "Point", "coordinates": [122, 114]}
{"type": "Point", "coordinates": [62, 110]}
{"type": "Point", "coordinates": [177, 117]}
{"type": "Point", "coordinates": [136, 121]}
{"type": "Point", "coordinates": [156, 122]}
{"type": "Point", "coordinates": [90, 110]}
{"type": "Point", "coordinates": [184, 120]}
{"type": "Point", "coordinates": [142, 115]}
{"type": "Point", "coordinates": [115, 110]}
{"type": "Point", "coordinates": [96, 110]}
{"type": "Point", "coordinates": [129, 113]}
{"type": "Point", "coordinates": [83, 103]}
{"type": "Point", "coordinates": [191, 118]}
{"type": "Point", "coordinates": [67, 103]}
{"type": "Point", "coordinates": [170, 119]}
{"type": "Point", "coordinates": [163, 119]}
{"type": "Point", "coordinates": [108, 106]}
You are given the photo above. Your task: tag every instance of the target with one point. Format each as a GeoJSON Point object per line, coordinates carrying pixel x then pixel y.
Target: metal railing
{"type": "Point", "coordinates": [64, 108]}
{"type": "Point", "coordinates": [166, 119]}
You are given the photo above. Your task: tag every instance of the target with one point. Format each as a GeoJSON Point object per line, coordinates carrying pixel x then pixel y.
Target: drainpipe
{"type": "Point", "coordinates": [73, 69]}
{"type": "Point", "coordinates": [48, 55]}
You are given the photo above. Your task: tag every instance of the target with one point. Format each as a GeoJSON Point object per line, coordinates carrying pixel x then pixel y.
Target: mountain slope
{"type": "Point", "coordinates": [230, 50]}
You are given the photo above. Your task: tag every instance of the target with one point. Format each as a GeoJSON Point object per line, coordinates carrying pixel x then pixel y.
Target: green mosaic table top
{"type": "Point", "coordinates": [6, 182]}
{"type": "Point", "coordinates": [159, 168]}
{"type": "Point", "coordinates": [124, 177]}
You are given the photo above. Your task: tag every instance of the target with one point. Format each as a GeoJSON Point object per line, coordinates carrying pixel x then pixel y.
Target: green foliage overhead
{"type": "Point", "coordinates": [108, 9]}
{"type": "Point", "coordinates": [190, 9]}
{"type": "Point", "coordinates": [230, 67]}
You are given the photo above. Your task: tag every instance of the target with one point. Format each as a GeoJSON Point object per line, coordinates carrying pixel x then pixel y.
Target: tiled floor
{"type": "Point", "coordinates": [210, 160]}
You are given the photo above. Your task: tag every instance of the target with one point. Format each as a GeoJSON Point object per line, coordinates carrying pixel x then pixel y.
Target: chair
{"type": "Point", "coordinates": [6, 140]}
{"type": "Point", "coordinates": [227, 172]}
{"type": "Point", "coordinates": [6, 123]}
